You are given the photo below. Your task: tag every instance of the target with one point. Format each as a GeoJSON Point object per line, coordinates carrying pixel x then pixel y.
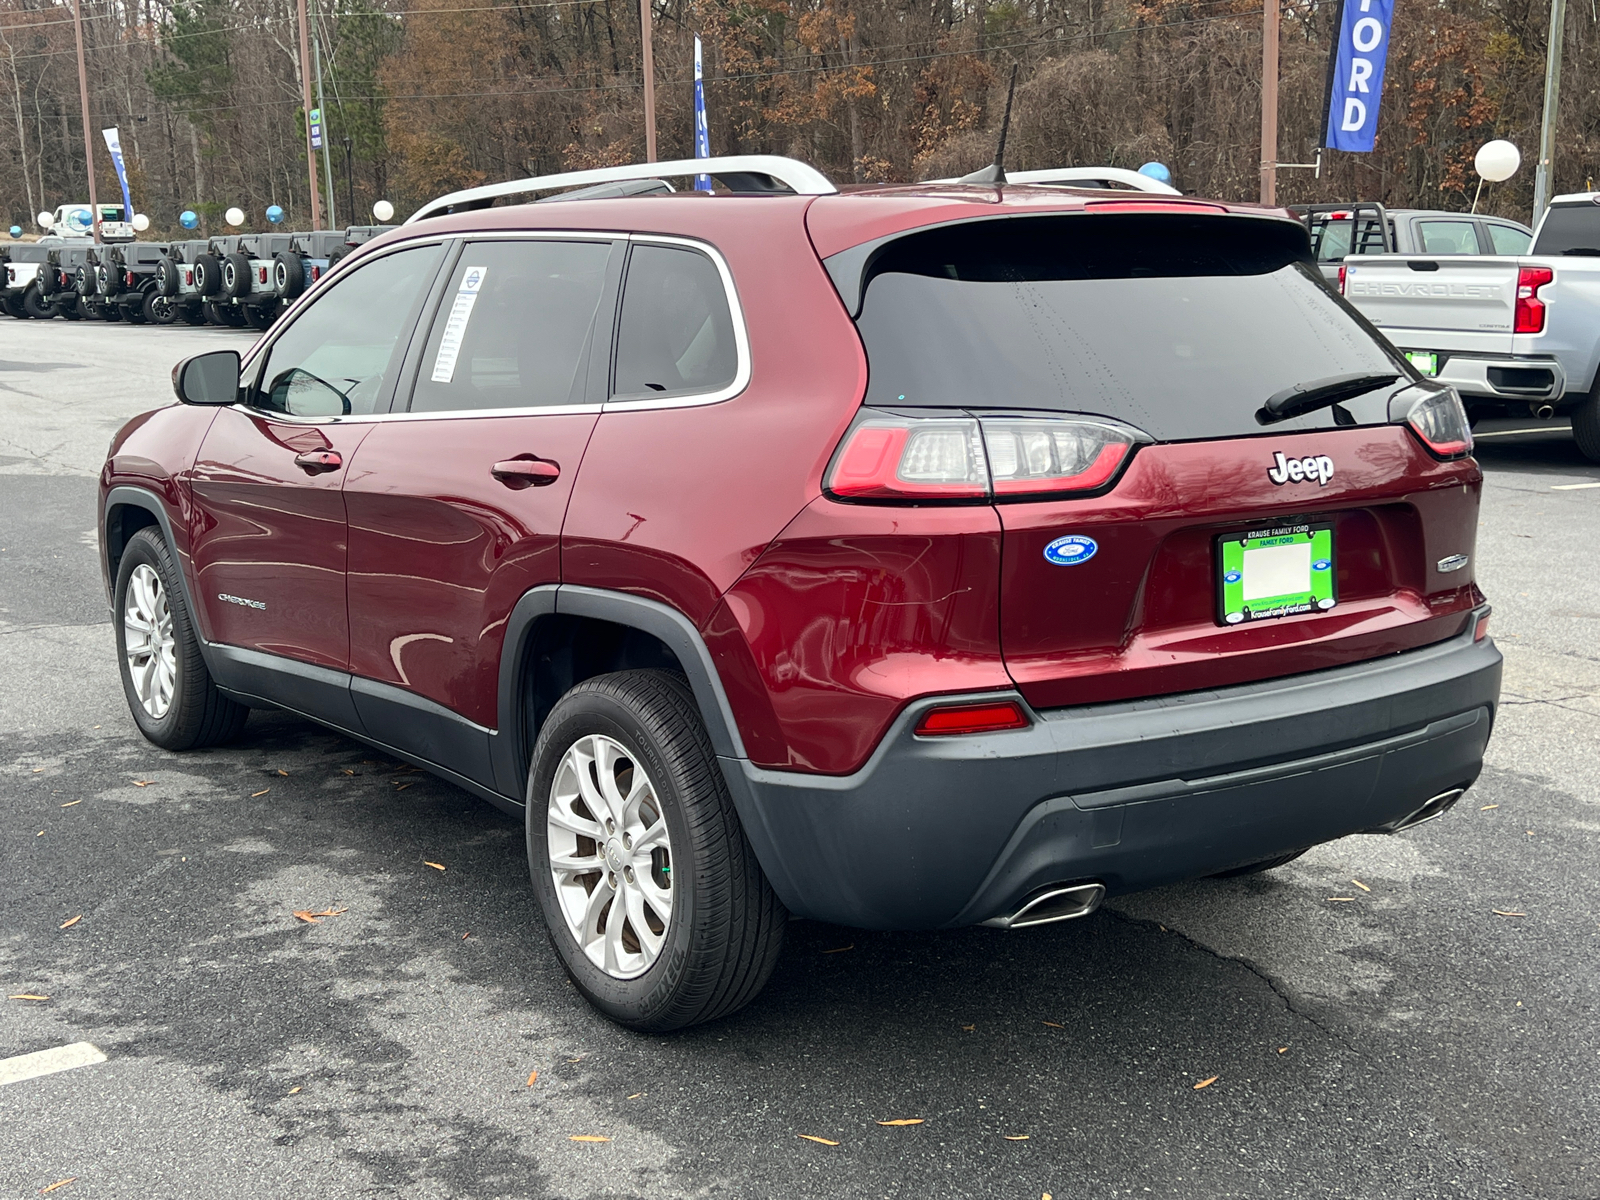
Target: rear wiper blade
{"type": "Point", "coordinates": [1319, 393]}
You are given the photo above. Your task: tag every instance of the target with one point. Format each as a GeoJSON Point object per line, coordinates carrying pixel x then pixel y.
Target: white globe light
{"type": "Point", "coordinates": [46, 220]}
{"type": "Point", "coordinates": [383, 210]}
{"type": "Point", "coordinates": [234, 216]}
{"type": "Point", "coordinates": [140, 222]}
{"type": "Point", "coordinates": [1497, 160]}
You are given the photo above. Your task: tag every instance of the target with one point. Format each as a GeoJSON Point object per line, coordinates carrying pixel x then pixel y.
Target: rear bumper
{"type": "Point", "coordinates": [938, 832]}
{"type": "Point", "coordinates": [1505, 376]}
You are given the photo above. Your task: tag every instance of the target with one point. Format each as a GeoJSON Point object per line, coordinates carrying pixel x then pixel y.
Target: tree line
{"type": "Point", "coordinates": [424, 96]}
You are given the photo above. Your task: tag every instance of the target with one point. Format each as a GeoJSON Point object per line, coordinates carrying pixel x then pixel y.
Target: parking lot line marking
{"type": "Point", "coordinates": [48, 1062]}
{"type": "Point", "coordinates": [1571, 487]}
{"type": "Point", "coordinates": [1513, 432]}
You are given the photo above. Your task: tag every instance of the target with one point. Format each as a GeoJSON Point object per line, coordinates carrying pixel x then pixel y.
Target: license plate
{"type": "Point", "coordinates": [1282, 571]}
{"type": "Point", "coordinates": [1427, 363]}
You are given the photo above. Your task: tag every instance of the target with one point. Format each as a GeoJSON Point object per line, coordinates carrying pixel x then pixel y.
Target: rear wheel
{"type": "Point", "coordinates": [13, 306]}
{"type": "Point", "coordinates": [191, 314]}
{"type": "Point", "coordinates": [1255, 868]}
{"type": "Point", "coordinates": [36, 305]}
{"type": "Point", "coordinates": [159, 309]}
{"type": "Point", "coordinates": [260, 316]}
{"type": "Point", "coordinates": [651, 893]}
{"type": "Point", "coordinates": [170, 693]}
{"type": "Point", "coordinates": [1586, 426]}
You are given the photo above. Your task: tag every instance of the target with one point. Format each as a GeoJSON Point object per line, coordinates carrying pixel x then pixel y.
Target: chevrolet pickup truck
{"type": "Point", "coordinates": [1511, 333]}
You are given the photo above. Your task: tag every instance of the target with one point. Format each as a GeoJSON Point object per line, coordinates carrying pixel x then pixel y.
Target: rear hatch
{"type": "Point", "coordinates": [1102, 379]}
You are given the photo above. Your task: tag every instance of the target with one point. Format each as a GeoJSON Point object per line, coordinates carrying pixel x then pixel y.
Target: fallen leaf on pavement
{"type": "Point", "coordinates": [434, 865]}
{"type": "Point", "coordinates": [27, 996]}
{"type": "Point", "coordinates": [1342, 899]}
{"type": "Point", "coordinates": [968, 1028]}
{"type": "Point", "coordinates": [282, 772]}
{"type": "Point", "coordinates": [635, 1096]}
{"type": "Point", "coordinates": [532, 1077]}
{"type": "Point", "coordinates": [821, 1141]}
{"type": "Point", "coordinates": [1205, 1083]}
{"type": "Point", "coordinates": [588, 1137]}
{"type": "Point", "coordinates": [1055, 1025]}
{"type": "Point", "coordinates": [262, 792]}
{"type": "Point", "coordinates": [466, 935]}
{"type": "Point", "coordinates": [143, 782]}
{"type": "Point", "coordinates": [1015, 1137]}
{"type": "Point", "coordinates": [1506, 912]}
{"type": "Point", "coordinates": [348, 771]}
{"type": "Point", "coordinates": [57, 1184]}
{"type": "Point", "coordinates": [293, 1090]}
{"type": "Point", "coordinates": [70, 803]}
{"type": "Point", "coordinates": [71, 923]}
{"type": "Point", "coordinates": [1283, 1049]}
{"type": "Point", "coordinates": [400, 787]}
{"type": "Point", "coordinates": [840, 949]}
{"type": "Point", "coordinates": [1487, 807]}
{"type": "Point", "coordinates": [313, 918]}
{"type": "Point", "coordinates": [36, 770]}
{"type": "Point", "coordinates": [1361, 885]}
{"type": "Point", "coordinates": [903, 1121]}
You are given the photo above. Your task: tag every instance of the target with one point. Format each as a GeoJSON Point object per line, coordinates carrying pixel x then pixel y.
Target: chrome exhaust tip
{"type": "Point", "coordinates": [1434, 808]}
{"type": "Point", "coordinates": [1052, 903]}
{"type": "Point", "coordinates": [1543, 411]}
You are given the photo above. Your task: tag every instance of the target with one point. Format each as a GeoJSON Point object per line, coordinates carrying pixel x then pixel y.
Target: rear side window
{"type": "Point", "coordinates": [1570, 229]}
{"type": "Point", "coordinates": [1448, 237]}
{"type": "Point", "coordinates": [513, 328]}
{"type": "Point", "coordinates": [675, 336]}
{"type": "Point", "coordinates": [1182, 326]}
{"type": "Point", "coordinates": [1508, 239]}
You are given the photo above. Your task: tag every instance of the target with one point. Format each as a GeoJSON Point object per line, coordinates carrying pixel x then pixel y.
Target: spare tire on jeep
{"type": "Point", "coordinates": [208, 275]}
{"type": "Point", "coordinates": [167, 276]}
{"type": "Point", "coordinates": [236, 275]}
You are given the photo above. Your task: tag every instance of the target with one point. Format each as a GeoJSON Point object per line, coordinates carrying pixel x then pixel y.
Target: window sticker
{"type": "Point", "coordinates": [455, 326]}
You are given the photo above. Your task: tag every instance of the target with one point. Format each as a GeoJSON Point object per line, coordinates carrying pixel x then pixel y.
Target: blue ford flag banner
{"type": "Point", "coordinates": [114, 144]}
{"type": "Point", "coordinates": [702, 140]}
{"type": "Point", "coordinates": [1355, 74]}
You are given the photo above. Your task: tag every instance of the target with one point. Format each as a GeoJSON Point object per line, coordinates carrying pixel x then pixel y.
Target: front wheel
{"type": "Point", "coordinates": [651, 893]}
{"type": "Point", "coordinates": [170, 692]}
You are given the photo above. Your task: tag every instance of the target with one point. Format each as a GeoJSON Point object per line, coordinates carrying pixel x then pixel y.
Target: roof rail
{"type": "Point", "coordinates": [1086, 177]}
{"type": "Point", "coordinates": [763, 173]}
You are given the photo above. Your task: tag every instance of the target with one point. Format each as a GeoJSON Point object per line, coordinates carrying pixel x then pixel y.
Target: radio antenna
{"type": "Point", "coordinates": [995, 172]}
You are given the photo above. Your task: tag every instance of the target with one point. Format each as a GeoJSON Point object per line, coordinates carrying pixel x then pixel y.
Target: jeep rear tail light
{"type": "Point", "coordinates": [932, 459]}
{"type": "Point", "coordinates": [1437, 417]}
{"type": "Point", "coordinates": [952, 719]}
{"type": "Point", "coordinates": [130, 278]}
{"type": "Point", "coordinates": [1530, 309]}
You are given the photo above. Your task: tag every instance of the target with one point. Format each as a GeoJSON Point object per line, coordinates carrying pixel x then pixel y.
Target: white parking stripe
{"type": "Point", "coordinates": [48, 1062]}
{"type": "Point", "coordinates": [1571, 487]}
{"type": "Point", "coordinates": [1514, 432]}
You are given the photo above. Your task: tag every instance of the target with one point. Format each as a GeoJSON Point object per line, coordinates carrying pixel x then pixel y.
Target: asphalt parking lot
{"type": "Point", "coordinates": [1376, 1023]}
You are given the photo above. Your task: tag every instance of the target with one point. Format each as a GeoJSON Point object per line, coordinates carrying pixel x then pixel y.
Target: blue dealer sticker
{"type": "Point", "coordinates": [1070, 550]}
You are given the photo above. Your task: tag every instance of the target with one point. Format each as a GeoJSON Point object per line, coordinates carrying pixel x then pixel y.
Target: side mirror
{"type": "Point", "coordinates": [208, 378]}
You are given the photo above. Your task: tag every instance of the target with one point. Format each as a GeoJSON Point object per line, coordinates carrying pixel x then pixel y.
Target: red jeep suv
{"type": "Point", "coordinates": [909, 558]}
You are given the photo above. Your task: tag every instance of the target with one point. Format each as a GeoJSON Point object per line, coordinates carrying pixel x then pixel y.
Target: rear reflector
{"type": "Point", "coordinates": [954, 719]}
{"type": "Point", "coordinates": [1481, 631]}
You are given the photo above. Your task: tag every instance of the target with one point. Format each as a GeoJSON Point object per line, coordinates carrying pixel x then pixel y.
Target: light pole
{"type": "Point", "coordinates": [88, 142]}
{"type": "Point", "coordinates": [349, 178]}
{"type": "Point", "coordinates": [649, 82]}
{"type": "Point", "coordinates": [305, 96]}
{"type": "Point", "coordinates": [1269, 102]}
{"type": "Point", "coordinates": [1552, 95]}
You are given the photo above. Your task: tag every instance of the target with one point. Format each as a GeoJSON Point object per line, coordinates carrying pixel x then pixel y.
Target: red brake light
{"type": "Point", "coordinates": [263, 273]}
{"type": "Point", "coordinates": [1530, 309]}
{"type": "Point", "coordinates": [1338, 216]}
{"type": "Point", "coordinates": [130, 278]}
{"type": "Point", "coordinates": [1151, 206]}
{"type": "Point", "coordinates": [952, 719]}
{"type": "Point", "coordinates": [888, 456]}
{"type": "Point", "coordinates": [316, 274]}
{"type": "Point", "coordinates": [1341, 279]}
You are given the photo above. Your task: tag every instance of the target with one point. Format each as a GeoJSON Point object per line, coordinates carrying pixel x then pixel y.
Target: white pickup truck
{"type": "Point", "coordinates": [1511, 333]}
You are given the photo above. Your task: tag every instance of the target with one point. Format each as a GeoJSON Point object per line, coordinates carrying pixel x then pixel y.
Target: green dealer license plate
{"type": "Point", "coordinates": [1279, 572]}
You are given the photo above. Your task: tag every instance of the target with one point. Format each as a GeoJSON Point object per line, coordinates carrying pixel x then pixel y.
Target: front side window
{"type": "Point", "coordinates": [513, 327]}
{"type": "Point", "coordinates": [340, 356]}
{"type": "Point", "coordinates": [676, 334]}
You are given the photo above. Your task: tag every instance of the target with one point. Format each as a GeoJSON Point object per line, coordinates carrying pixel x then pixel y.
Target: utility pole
{"type": "Point", "coordinates": [305, 96]}
{"type": "Point", "coordinates": [649, 82]}
{"type": "Point", "coordinates": [1269, 101]}
{"type": "Point", "coordinates": [88, 141]}
{"type": "Point", "coordinates": [327, 167]}
{"type": "Point", "coordinates": [349, 178]}
{"type": "Point", "coordinates": [1552, 96]}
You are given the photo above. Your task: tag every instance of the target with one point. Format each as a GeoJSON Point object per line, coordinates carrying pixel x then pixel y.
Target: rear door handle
{"type": "Point", "coordinates": [317, 462]}
{"type": "Point", "coordinates": [526, 472]}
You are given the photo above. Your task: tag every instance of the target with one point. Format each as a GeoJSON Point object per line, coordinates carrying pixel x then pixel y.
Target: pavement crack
{"type": "Point", "coordinates": [1278, 989]}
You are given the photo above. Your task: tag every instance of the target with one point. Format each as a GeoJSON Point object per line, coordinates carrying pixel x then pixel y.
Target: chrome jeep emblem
{"type": "Point", "coordinates": [1300, 470]}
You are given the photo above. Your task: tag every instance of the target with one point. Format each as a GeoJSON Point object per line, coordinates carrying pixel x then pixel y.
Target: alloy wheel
{"type": "Point", "coordinates": [610, 856]}
{"type": "Point", "coordinates": [148, 641]}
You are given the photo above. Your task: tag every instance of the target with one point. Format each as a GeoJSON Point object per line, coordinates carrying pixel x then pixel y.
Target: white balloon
{"type": "Point", "coordinates": [46, 220]}
{"type": "Point", "coordinates": [234, 216]}
{"type": "Point", "coordinates": [383, 210]}
{"type": "Point", "coordinates": [1497, 160]}
{"type": "Point", "coordinates": [140, 222]}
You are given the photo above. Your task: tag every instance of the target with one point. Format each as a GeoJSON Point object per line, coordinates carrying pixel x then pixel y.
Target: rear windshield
{"type": "Point", "coordinates": [1570, 229]}
{"type": "Point", "coordinates": [1182, 326]}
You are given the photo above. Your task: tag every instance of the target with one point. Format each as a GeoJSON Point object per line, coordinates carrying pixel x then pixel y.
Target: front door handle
{"type": "Point", "coordinates": [318, 462]}
{"type": "Point", "coordinates": [526, 472]}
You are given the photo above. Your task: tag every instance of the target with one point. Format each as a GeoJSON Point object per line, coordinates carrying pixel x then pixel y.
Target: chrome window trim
{"type": "Point", "coordinates": [741, 337]}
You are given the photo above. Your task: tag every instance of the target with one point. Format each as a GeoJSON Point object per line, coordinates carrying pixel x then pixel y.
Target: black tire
{"type": "Point", "coordinates": [13, 306]}
{"type": "Point", "coordinates": [337, 255]}
{"type": "Point", "coordinates": [260, 316]}
{"type": "Point", "coordinates": [288, 275]}
{"type": "Point", "coordinates": [36, 305]}
{"type": "Point", "coordinates": [726, 926]}
{"type": "Point", "coordinates": [191, 314]}
{"type": "Point", "coordinates": [167, 277]}
{"type": "Point", "coordinates": [208, 275]}
{"type": "Point", "coordinates": [67, 306]}
{"type": "Point", "coordinates": [83, 281]}
{"type": "Point", "coordinates": [226, 315]}
{"type": "Point", "coordinates": [109, 312]}
{"type": "Point", "coordinates": [1586, 426]}
{"type": "Point", "coordinates": [49, 280]}
{"type": "Point", "coordinates": [1255, 868]}
{"type": "Point", "coordinates": [159, 309]}
{"type": "Point", "coordinates": [198, 714]}
{"type": "Point", "coordinates": [237, 276]}
{"type": "Point", "coordinates": [132, 311]}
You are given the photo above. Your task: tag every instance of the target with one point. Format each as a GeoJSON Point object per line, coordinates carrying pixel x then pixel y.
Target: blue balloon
{"type": "Point", "coordinates": [274, 213]}
{"type": "Point", "coordinates": [1156, 171]}
{"type": "Point", "coordinates": [188, 219]}
{"type": "Point", "coordinates": [16, 231]}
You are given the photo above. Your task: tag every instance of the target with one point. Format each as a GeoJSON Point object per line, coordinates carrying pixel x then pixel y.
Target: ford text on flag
{"type": "Point", "coordinates": [1355, 82]}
